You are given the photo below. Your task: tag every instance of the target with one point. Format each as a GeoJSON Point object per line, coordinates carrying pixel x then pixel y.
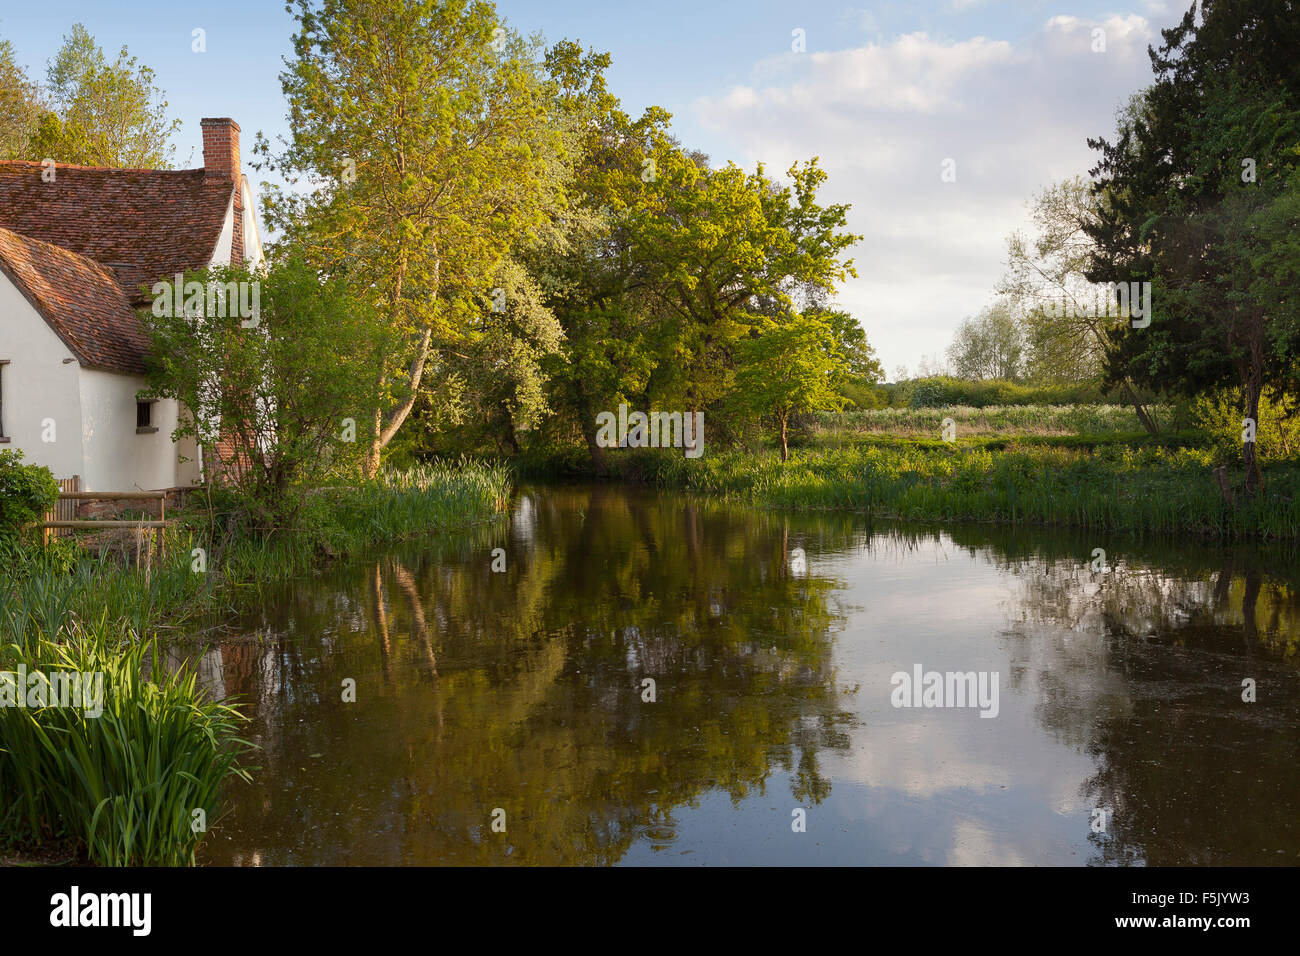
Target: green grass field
{"type": "Point", "coordinates": [1075, 466]}
{"type": "Point", "coordinates": [991, 421]}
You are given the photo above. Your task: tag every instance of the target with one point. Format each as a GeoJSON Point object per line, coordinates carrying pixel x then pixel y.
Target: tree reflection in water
{"type": "Point", "coordinates": [523, 690]}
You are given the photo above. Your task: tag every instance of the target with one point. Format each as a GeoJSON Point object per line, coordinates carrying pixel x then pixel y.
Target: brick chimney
{"type": "Point", "coordinates": [221, 161]}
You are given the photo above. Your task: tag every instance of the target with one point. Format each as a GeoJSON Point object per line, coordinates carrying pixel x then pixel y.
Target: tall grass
{"type": "Point", "coordinates": [124, 785]}
{"type": "Point", "coordinates": [40, 597]}
{"type": "Point", "coordinates": [992, 420]}
{"type": "Point", "coordinates": [1149, 489]}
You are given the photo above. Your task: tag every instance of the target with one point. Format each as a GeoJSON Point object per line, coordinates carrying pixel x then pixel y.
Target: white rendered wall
{"type": "Point", "coordinates": [39, 387]}
{"type": "Point", "coordinates": [116, 457]}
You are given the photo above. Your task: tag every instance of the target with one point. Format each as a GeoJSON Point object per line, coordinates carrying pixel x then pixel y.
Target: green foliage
{"type": "Point", "coordinates": [105, 114]}
{"type": "Point", "coordinates": [122, 785]}
{"type": "Point", "coordinates": [980, 394]}
{"type": "Point", "coordinates": [1200, 190]}
{"type": "Point", "coordinates": [988, 421]}
{"type": "Point", "coordinates": [422, 129]}
{"type": "Point", "coordinates": [486, 391]}
{"type": "Point", "coordinates": [281, 385]}
{"type": "Point", "coordinates": [792, 365]}
{"type": "Point", "coordinates": [27, 492]}
{"type": "Point", "coordinates": [722, 249]}
{"type": "Point", "coordinates": [861, 395]}
{"type": "Point", "coordinates": [928, 393]}
{"type": "Point", "coordinates": [20, 106]}
{"type": "Point", "coordinates": [863, 367]}
{"type": "Point", "coordinates": [1277, 434]}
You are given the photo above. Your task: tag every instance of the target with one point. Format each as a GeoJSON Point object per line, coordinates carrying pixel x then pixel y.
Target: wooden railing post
{"type": "Point", "coordinates": [53, 520]}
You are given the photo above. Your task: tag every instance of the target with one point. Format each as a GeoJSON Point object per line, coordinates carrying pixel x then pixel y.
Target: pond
{"type": "Point", "coordinates": [650, 679]}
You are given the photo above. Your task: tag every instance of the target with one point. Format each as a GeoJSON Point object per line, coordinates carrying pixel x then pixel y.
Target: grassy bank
{"type": "Point", "coordinates": [121, 787]}
{"type": "Point", "coordinates": [41, 594]}
{"type": "Point", "coordinates": [1103, 486]}
{"type": "Point", "coordinates": [989, 421]}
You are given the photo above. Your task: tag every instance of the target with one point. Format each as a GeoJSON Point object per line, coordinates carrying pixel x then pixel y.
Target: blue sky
{"type": "Point", "coordinates": [883, 93]}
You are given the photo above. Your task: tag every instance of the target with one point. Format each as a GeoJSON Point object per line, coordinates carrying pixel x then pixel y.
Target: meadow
{"type": "Point", "coordinates": [1070, 466]}
{"type": "Point", "coordinates": [983, 422]}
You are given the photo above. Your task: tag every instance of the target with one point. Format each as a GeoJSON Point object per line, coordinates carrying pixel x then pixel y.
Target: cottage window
{"type": "Point", "coordinates": [3, 439]}
{"type": "Point", "coordinates": [144, 418]}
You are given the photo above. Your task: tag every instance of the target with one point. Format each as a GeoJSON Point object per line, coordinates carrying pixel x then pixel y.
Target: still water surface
{"type": "Point", "coordinates": [524, 691]}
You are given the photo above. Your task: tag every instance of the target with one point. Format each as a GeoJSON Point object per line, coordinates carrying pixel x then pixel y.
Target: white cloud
{"type": "Point", "coordinates": [882, 117]}
{"type": "Point", "coordinates": [973, 845]}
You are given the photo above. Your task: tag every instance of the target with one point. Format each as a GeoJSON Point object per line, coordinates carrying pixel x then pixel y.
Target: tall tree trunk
{"type": "Point", "coordinates": [587, 423]}
{"type": "Point", "coordinates": [785, 447]}
{"type": "Point", "coordinates": [1138, 407]}
{"type": "Point", "coordinates": [399, 415]}
{"type": "Point", "coordinates": [371, 466]}
{"type": "Point", "coordinates": [1249, 457]}
{"type": "Point", "coordinates": [386, 429]}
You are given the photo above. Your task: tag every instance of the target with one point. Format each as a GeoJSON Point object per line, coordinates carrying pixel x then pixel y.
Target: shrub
{"type": "Point", "coordinates": [928, 393]}
{"type": "Point", "coordinates": [985, 392]}
{"type": "Point", "coordinates": [27, 492]}
{"type": "Point", "coordinates": [1277, 433]}
{"type": "Point", "coordinates": [865, 395]}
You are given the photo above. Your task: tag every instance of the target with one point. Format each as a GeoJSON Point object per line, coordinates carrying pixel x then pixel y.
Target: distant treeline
{"type": "Point", "coordinates": [943, 390]}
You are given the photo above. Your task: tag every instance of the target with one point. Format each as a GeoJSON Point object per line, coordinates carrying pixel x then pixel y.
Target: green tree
{"type": "Point", "coordinates": [862, 366]}
{"type": "Point", "coordinates": [1066, 336]}
{"type": "Point", "coordinates": [489, 385]}
{"type": "Point", "coordinates": [20, 106]}
{"type": "Point", "coordinates": [288, 384]}
{"type": "Point", "coordinates": [596, 285]}
{"type": "Point", "coordinates": [790, 366]}
{"type": "Point", "coordinates": [422, 128]}
{"type": "Point", "coordinates": [105, 114]}
{"type": "Point", "coordinates": [1199, 198]}
{"type": "Point", "coordinates": [724, 249]}
{"type": "Point", "coordinates": [1278, 433]}
{"type": "Point", "coordinates": [989, 346]}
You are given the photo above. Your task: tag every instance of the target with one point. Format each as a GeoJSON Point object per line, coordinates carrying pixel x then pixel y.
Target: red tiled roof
{"type": "Point", "coordinates": [81, 300]}
{"type": "Point", "coordinates": [144, 224]}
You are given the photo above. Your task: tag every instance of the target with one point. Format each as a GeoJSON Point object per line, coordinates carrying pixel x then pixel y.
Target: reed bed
{"type": "Point", "coordinates": [993, 420]}
{"type": "Point", "coordinates": [1147, 489]}
{"type": "Point", "coordinates": [137, 783]}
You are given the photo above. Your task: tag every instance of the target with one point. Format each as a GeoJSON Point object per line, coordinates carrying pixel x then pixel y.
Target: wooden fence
{"type": "Point", "coordinates": [63, 519]}
{"type": "Point", "coordinates": [65, 509]}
